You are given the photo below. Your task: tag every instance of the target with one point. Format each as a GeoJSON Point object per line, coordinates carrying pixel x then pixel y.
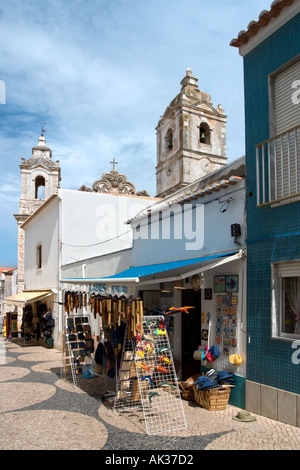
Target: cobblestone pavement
{"type": "Point", "coordinates": [39, 410]}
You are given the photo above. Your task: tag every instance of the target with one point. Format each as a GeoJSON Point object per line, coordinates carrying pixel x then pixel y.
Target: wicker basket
{"type": "Point", "coordinates": [186, 388]}
{"type": "Point", "coordinates": [213, 399]}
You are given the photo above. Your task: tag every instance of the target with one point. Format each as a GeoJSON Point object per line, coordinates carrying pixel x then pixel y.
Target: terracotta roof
{"type": "Point", "coordinates": [5, 270]}
{"type": "Point", "coordinates": [254, 26]}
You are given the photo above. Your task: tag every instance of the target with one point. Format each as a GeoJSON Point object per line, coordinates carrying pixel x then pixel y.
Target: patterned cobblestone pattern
{"type": "Point", "coordinates": [41, 411]}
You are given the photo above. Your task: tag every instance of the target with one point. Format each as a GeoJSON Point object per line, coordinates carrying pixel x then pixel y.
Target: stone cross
{"type": "Point", "coordinates": [114, 163]}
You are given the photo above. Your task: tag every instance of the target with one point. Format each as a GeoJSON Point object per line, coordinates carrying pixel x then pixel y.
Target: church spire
{"type": "Point", "coordinates": [41, 150]}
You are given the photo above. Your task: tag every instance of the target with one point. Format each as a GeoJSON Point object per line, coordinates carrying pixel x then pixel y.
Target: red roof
{"type": "Point", "coordinates": [263, 19]}
{"type": "Point", "coordinates": [5, 270]}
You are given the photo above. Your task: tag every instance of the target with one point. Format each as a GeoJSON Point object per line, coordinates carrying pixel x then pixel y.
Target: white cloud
{"type": "Point", "coordinates": [100, 73]}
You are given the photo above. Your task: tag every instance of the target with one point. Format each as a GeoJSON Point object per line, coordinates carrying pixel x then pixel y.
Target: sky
{"type": "Point", "coordinates": [99, 74]}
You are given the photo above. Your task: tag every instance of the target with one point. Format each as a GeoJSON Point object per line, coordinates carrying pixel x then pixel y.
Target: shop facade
{"type": "Point", "coordinates": [270, 50]}
{"type": "Point", "coordinates": [77, 234]}
{"type": "Point", "coordinates": [201, 265]}
{"type": "Point", "coordinates": [37, 322]}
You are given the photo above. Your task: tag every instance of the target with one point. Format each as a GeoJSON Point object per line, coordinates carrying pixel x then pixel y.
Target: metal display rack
{"type": "Point", "coordinates": [76, 353]}
{"type": "Point", "coordinates": [147, 379]}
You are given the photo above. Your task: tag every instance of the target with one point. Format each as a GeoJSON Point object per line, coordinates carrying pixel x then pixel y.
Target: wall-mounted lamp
{"type": "Point", "coordinates": [236, 232]}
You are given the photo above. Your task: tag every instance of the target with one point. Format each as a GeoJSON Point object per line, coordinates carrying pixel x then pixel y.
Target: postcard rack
{"type": "Point", "coordinates": [78, 347]}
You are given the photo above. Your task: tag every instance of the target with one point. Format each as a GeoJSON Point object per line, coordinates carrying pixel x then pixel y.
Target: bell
{"type": "Point", "coordinates": [202, 136]}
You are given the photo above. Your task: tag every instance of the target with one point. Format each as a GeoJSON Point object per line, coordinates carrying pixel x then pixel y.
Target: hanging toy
{"type": "Point", "coordinates": [138, 338]}
{"type": "Point", "coordinates": [148, 338]}
{"type": "Point", "coordinates": [147, 377]}
{"type": "Point", "coordinates": [140, 353]}
{"type": "Point", "coordinates": [166, 384]}
{"type": "Point", "coordinates": [160, 368]}
{"type": "Point", "coordinates": [159, 332]}
{"type": "Point", "coordinates": [142, 365]}
{"type": "Point", "coordinates": [148, 348]}
{"type": "Point", "coordinates": [152, 394]}
{"type": "Point", "coordinates": [165, 359]}
{"type": "Point", "coordinates": [150, 324]}
{"type": "Point", "coordinates": [178, 309]}
{"type": "Point", "coordinates": [164, 348]}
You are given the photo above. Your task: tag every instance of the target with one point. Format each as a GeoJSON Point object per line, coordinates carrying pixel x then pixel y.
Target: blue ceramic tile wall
{"type": "Point", "coordinates": [268, 360]}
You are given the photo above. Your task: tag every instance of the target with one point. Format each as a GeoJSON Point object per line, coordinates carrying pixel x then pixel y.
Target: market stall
{"type": "Point", "coordinates": [129, 347]}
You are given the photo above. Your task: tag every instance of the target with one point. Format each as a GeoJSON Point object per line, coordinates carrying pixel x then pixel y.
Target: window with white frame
{"type": "Point", "coordinates": [286, 300]}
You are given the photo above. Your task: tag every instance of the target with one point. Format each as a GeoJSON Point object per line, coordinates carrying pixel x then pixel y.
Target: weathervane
{"type": "Point", "coordinates": [43, 130]}
{"type": "Point", "coordinates": [114, 163]}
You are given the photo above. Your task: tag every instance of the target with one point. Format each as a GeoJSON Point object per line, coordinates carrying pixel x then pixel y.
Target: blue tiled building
{"type": "Point", "coordinates": [270, 48]}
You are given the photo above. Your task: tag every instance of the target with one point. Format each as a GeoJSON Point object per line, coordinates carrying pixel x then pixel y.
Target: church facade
{"type": "Point", "coordinates": [40, 179]}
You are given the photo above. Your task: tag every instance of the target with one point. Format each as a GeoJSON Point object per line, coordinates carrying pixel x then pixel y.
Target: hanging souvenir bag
{"type": "Point", "coordinates": [212, 354]}
{"type": "Point", "coordinates": [200, 353]}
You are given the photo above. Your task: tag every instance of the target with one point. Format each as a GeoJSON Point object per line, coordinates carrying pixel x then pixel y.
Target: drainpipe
{"type": "Point", "coordinates": [60, 294]}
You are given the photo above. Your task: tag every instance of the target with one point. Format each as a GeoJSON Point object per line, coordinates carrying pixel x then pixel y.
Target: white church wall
{"type": "Point", "coordinates": [42, 230]}
{"type": "Point", "coordinates": [94, 224]}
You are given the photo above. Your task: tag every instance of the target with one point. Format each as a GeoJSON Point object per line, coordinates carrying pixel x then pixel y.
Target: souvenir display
{"type": "Point", "coordinates": [78, 346]}
{"type": "Point", "coordinates": [152, 380]}
{"type": "Point", "coordinates": [226, 317]}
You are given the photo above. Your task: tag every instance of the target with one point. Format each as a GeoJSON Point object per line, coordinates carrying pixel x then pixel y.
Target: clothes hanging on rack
{"type": "Point", "coordinates": [108, 352]}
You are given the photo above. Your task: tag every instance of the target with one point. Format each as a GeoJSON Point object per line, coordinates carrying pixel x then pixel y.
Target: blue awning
{"type": "Point", "coordinates": [147, 270]}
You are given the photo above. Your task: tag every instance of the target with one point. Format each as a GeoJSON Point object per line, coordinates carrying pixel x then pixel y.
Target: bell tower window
{"type": "Point", "coordinates": [204, 133]}
{"type": "Point", "coordinates": [40, 187]}
{"type": "Point", "coordinates": [169, 140]}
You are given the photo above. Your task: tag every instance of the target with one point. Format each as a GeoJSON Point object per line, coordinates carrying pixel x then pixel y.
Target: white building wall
{"type": "Point", "coordinates": [196, 233]}
{"type": "Point", "coordinates": [94, 225]}
{"type": "Point", "coordinates": [42, 229]}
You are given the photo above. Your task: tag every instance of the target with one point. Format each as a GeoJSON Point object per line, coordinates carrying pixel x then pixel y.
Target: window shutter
{"type": "Point", "coordinates": [289, 269]}
{"type": "Point", "coordinates": [287, 113]}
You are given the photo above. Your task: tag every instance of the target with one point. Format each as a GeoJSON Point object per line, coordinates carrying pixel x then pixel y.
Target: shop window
{"type": "Point", "coordinates": [286, 300]}
{"type": "Point", "coordinates": [204, 133]}
{"type": "Point", "coordinates": [39, 264]}
{"type": "Point", "coordinates": [39, 187]}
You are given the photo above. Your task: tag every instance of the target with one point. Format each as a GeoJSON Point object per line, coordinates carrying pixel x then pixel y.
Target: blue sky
{"type": "Point", "coordinates": [100, 73]}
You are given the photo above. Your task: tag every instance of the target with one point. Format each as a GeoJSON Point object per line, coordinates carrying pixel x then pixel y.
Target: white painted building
{"type": "Point", "coordinates": [196, 234]}
{"type": "Point", "coordinates": [75, 234]}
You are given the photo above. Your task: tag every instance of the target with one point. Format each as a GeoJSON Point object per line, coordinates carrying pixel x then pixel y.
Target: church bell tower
{"type": "Point", "coordinates": [191, 138]}
{"type": "Point", "coordinates": [40, 179]}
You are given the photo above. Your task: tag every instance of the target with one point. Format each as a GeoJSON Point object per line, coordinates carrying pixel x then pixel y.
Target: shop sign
{"type": "Point", "coordinates": [101, 288]}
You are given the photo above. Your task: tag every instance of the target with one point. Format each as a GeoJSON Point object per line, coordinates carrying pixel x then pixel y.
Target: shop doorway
{"type": "Point", "coordinates": [190, 332]}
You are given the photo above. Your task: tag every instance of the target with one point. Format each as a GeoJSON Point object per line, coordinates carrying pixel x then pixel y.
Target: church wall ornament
{"type": "Point", "coordinates": [113, 182]}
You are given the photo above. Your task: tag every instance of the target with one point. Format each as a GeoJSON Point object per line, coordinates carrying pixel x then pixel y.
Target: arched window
{"type": "Point", "coordinates": [39, 187]}
{"type": "Point", "coordinates": [169, 140]}
{"type": "Point", "coordinates": [204, 133]}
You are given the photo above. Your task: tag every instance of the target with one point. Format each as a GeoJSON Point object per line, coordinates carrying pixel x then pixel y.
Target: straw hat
{"type": "Point", "coordinates": [244, 416]}
{"type": "Point", "coordinates": [235, 359]}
